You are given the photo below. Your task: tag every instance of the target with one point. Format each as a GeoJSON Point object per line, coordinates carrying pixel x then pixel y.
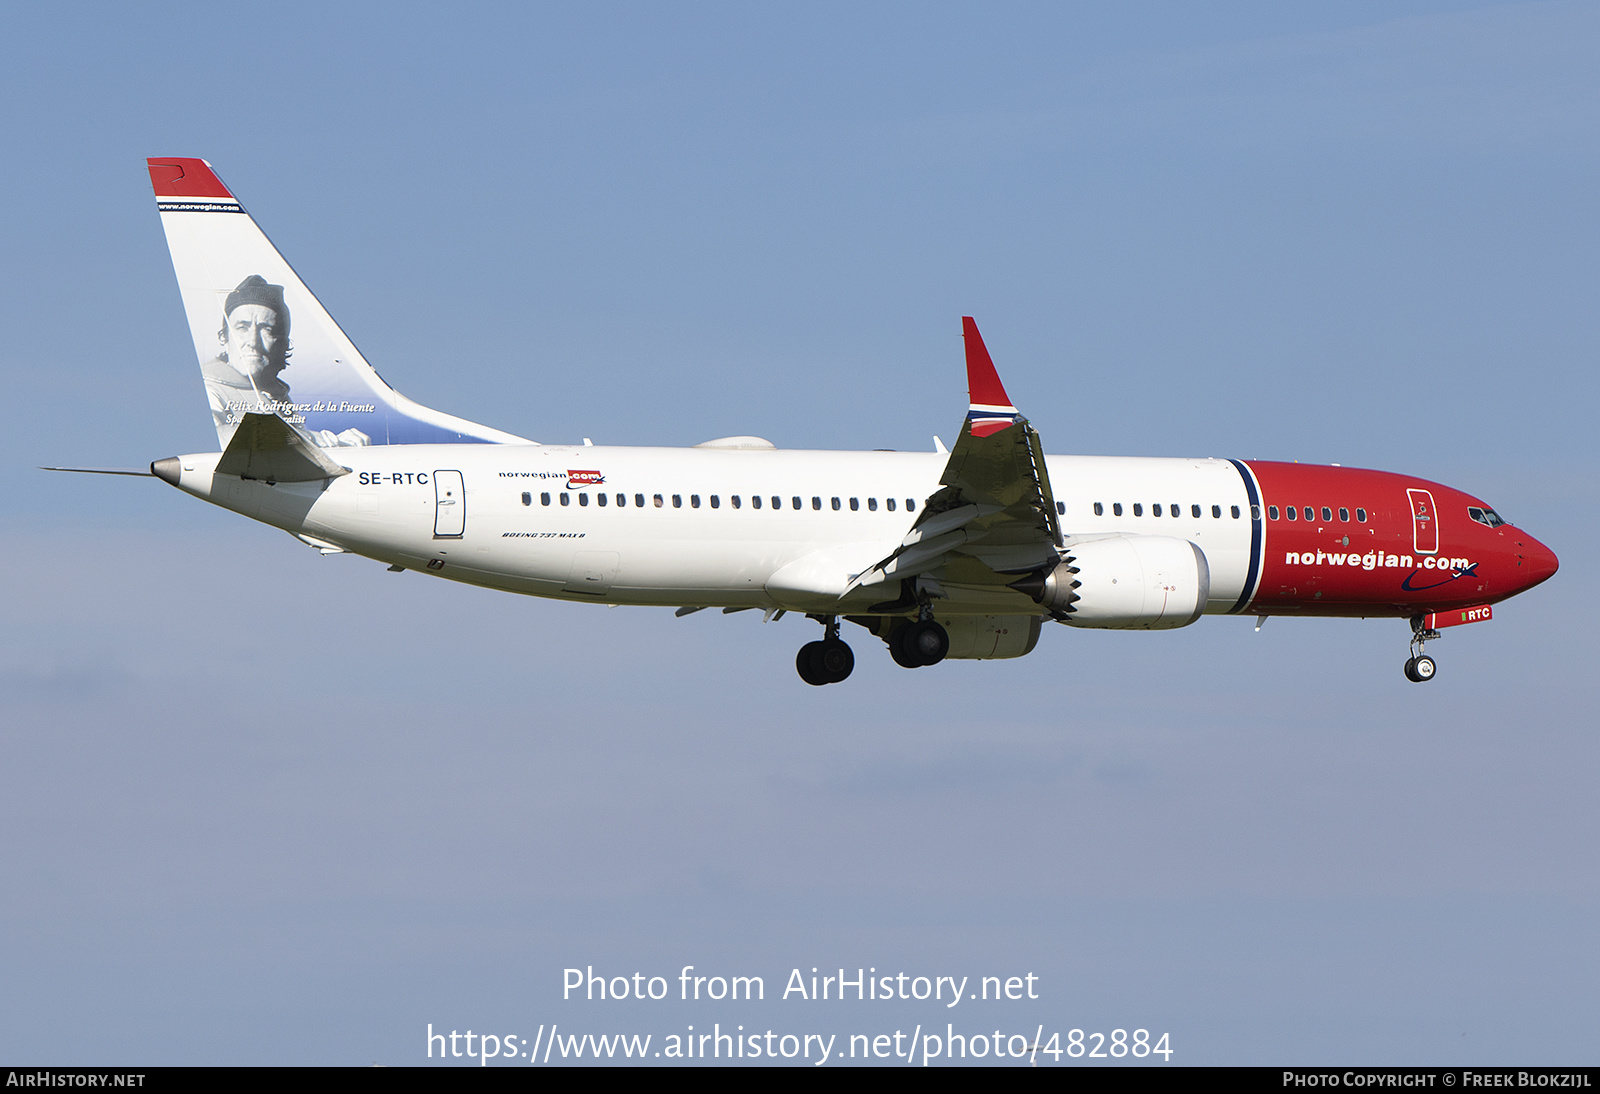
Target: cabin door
{"type": "Point", "coordinates": [449, 505]}
{"type": "Point", "coordinates": [1424, 522]}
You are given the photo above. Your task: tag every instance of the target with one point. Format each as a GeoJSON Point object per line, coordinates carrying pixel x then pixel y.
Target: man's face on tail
{"type": "Point", "coordinates": [254, 341]}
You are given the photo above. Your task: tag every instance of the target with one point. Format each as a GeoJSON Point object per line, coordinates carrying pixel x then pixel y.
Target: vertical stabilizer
{"type": "Point", "coordinates": [265, 344]}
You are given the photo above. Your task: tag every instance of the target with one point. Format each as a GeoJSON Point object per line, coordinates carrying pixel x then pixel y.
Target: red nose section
{"type": "Point", "coordinates": [1539, 562]}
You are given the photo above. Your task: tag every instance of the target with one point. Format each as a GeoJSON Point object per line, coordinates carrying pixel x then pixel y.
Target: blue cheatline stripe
{"type": "Point", "coordinates": [1255, 539]}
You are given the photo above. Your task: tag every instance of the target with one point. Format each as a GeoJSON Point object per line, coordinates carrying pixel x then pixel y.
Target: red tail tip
{"type": "Point", "coordinates": [173, 177]}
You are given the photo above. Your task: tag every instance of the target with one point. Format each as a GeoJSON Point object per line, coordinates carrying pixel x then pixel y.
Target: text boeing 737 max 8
{"type": "Point", "coordinates": [964, 553]}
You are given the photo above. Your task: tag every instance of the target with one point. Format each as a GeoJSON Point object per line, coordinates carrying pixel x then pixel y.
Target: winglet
{"type": "Point", "coordinates": [176, 177]}
{"type": "Point", "coordinates": [990, 408]}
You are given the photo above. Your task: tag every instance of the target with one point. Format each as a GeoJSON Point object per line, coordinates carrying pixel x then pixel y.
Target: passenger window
{"type": "Point", "coordinates": [658, 501]}
{"type": "Point", "coordinates": [583, 499]}
{"type": "Point", "coordinates": [1216, 512]}
{"type": "Point", "coordinates": [1061, 508]}
{"type": "Point", "coordinates": [1138, 509]}
{"type": "Point", "coordinates": [1272, 512]}
{"type": "Point", "coordinates": [1310, 513]}
{"type": "Point", "coordinates": [544, 499]}
{"type": "Point", "coordinates": [1255, 512]}
{"type": "Point", "coordinates": [716, 502]}
{"type": "Point", "coordinates": [1194, 510]}
{"type": "Point", "coordinates": [622, 501]}
{"type": "Point", "coordinates": [816, 502]}
{"type": "Point", "coordinates": [677, 501]}
{"type": "Point", "coordinates": [755, 501]}
{"type": "Point", "coordinates": [855, 504]}
{"type": "Point", "coordinates": [1234, 509]}
{"type": "Point", "coordinates": [1344, 514]}
{"type": "Point", "coordinates": [796, 502]}
{"type": "Point", "coordinates": [872, 505]}
{"type": "Point", "coordinates": [911, 506]}
{"type": "Point", "coordinates": [1327, 515]}
{"type": "Point", "coordinates": [777, 502]}
{"type": "Point", "coordinates": [1361, 515]}
{"type": "Point", "coordinates": [890, 503]}
{"type": "Point", "coordinates": [735, 500]}
{"type": "Point", "coordinates": [638, 499]}
{"type": "Point", "coordinates": [601, 498]}
{"type": "Point", "coordinates": [566, 498]}
{"type": "Point", "coordinates": [1099, 510]}
{"type": "Point", "coordinates": [1175, 509]}
{"type": "Point", "coordinates": [1116, 508]}
{"type": "Point", "coordinates": [694, 501]}
{"type": "Point", "coordinates": [1155, 510]}
{"type": "Point", "coordinates": [527, 498]}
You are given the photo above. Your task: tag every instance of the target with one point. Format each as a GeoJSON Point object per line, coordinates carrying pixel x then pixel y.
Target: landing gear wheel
{"type": "Point", "coordinates": [827, 662]}
{"type": "Point", "coordinates": [834, 660]}
{"type": "Point", "coordinates": [806, 664]}
{"type": "Point", "coordinates": [924, 642]}
{"type": "Point", "coordinates": [1421, 668]}
{"type": "Point", "coordinates": [897, 649]}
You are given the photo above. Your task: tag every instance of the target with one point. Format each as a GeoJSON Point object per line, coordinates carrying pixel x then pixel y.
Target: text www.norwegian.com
{"type": "Point", "coordinates": [916, 1047]}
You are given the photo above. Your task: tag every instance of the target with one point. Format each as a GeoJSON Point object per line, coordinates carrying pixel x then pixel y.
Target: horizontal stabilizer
{"type": "Point", "coordinates": [268, 448]}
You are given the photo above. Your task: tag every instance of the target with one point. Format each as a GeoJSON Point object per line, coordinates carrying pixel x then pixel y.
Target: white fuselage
{"type": "Point", "coordinates": [759, 527]}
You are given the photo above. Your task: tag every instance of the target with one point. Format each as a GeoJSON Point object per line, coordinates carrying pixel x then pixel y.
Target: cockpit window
{"type": "Point", "coordinates": [1487, 517]}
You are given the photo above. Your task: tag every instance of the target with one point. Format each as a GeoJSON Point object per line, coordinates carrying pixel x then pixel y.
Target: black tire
{"type": "Point", "coordinates": [808, 664]}
{"type": "Point", "coordinates": [1423, 669]}
{"type": "Point", "coordinates": [1411, 670]}
{"type": "Point", "coordinates": [927, 642]}
{"type": "Point", "coordinates": [898, 651]}
{"type": "Point", "coordinates": [834, 660]}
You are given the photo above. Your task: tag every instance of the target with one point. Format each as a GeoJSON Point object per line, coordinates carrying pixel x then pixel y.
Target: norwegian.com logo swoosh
{"type": "Point", "coordinates": [1456, 574]}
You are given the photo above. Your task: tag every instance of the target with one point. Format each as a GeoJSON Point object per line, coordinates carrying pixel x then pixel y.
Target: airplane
{"type": "Point", "coordinates": [963, 552]}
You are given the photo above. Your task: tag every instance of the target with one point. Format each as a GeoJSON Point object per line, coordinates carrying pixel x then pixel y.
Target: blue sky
{"type": "Point", "coordinates": [265, 806]}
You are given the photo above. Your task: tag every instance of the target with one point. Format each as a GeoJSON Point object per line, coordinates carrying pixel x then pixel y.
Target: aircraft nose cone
{"type": "Point", "coordinates": [1539, 562]}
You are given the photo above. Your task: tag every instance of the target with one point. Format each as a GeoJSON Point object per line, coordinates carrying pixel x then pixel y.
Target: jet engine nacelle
{"type": "Point", "coordinates": [1126, 582]}
{"type": "Point", "coordinates": [991, 637]}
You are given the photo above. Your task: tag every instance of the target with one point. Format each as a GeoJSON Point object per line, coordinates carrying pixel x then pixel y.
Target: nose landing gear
{"type": "Point", "coordinates": [1420, 668]}
{"type": "Point", "coordinates": [826, 662]}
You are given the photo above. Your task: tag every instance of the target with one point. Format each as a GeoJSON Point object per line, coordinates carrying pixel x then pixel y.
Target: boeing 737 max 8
{"type": "Point", "coordinates": [965, 553]}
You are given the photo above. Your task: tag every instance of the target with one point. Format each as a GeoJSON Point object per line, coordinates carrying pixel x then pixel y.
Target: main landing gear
{"type": "Point", "coordinates": [1420, 668]}
{"type": "Point", "coordinates": [921, 643]}
{"type": "Point", "coordinates": [912, 645]}
{"type": "Point", "coordinates": [827, 662]}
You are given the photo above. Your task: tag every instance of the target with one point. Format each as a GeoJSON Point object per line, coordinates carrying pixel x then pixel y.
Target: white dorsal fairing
{"type": "Point", "coordinates": [265, 343]}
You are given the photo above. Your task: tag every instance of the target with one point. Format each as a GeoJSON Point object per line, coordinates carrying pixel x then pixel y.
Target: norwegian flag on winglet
{"type": "Point", "coordinates": [990, 410]}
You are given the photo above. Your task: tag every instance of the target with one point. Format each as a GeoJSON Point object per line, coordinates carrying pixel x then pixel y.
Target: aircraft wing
{"type": "Point", "coordinates": [994, 516]}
